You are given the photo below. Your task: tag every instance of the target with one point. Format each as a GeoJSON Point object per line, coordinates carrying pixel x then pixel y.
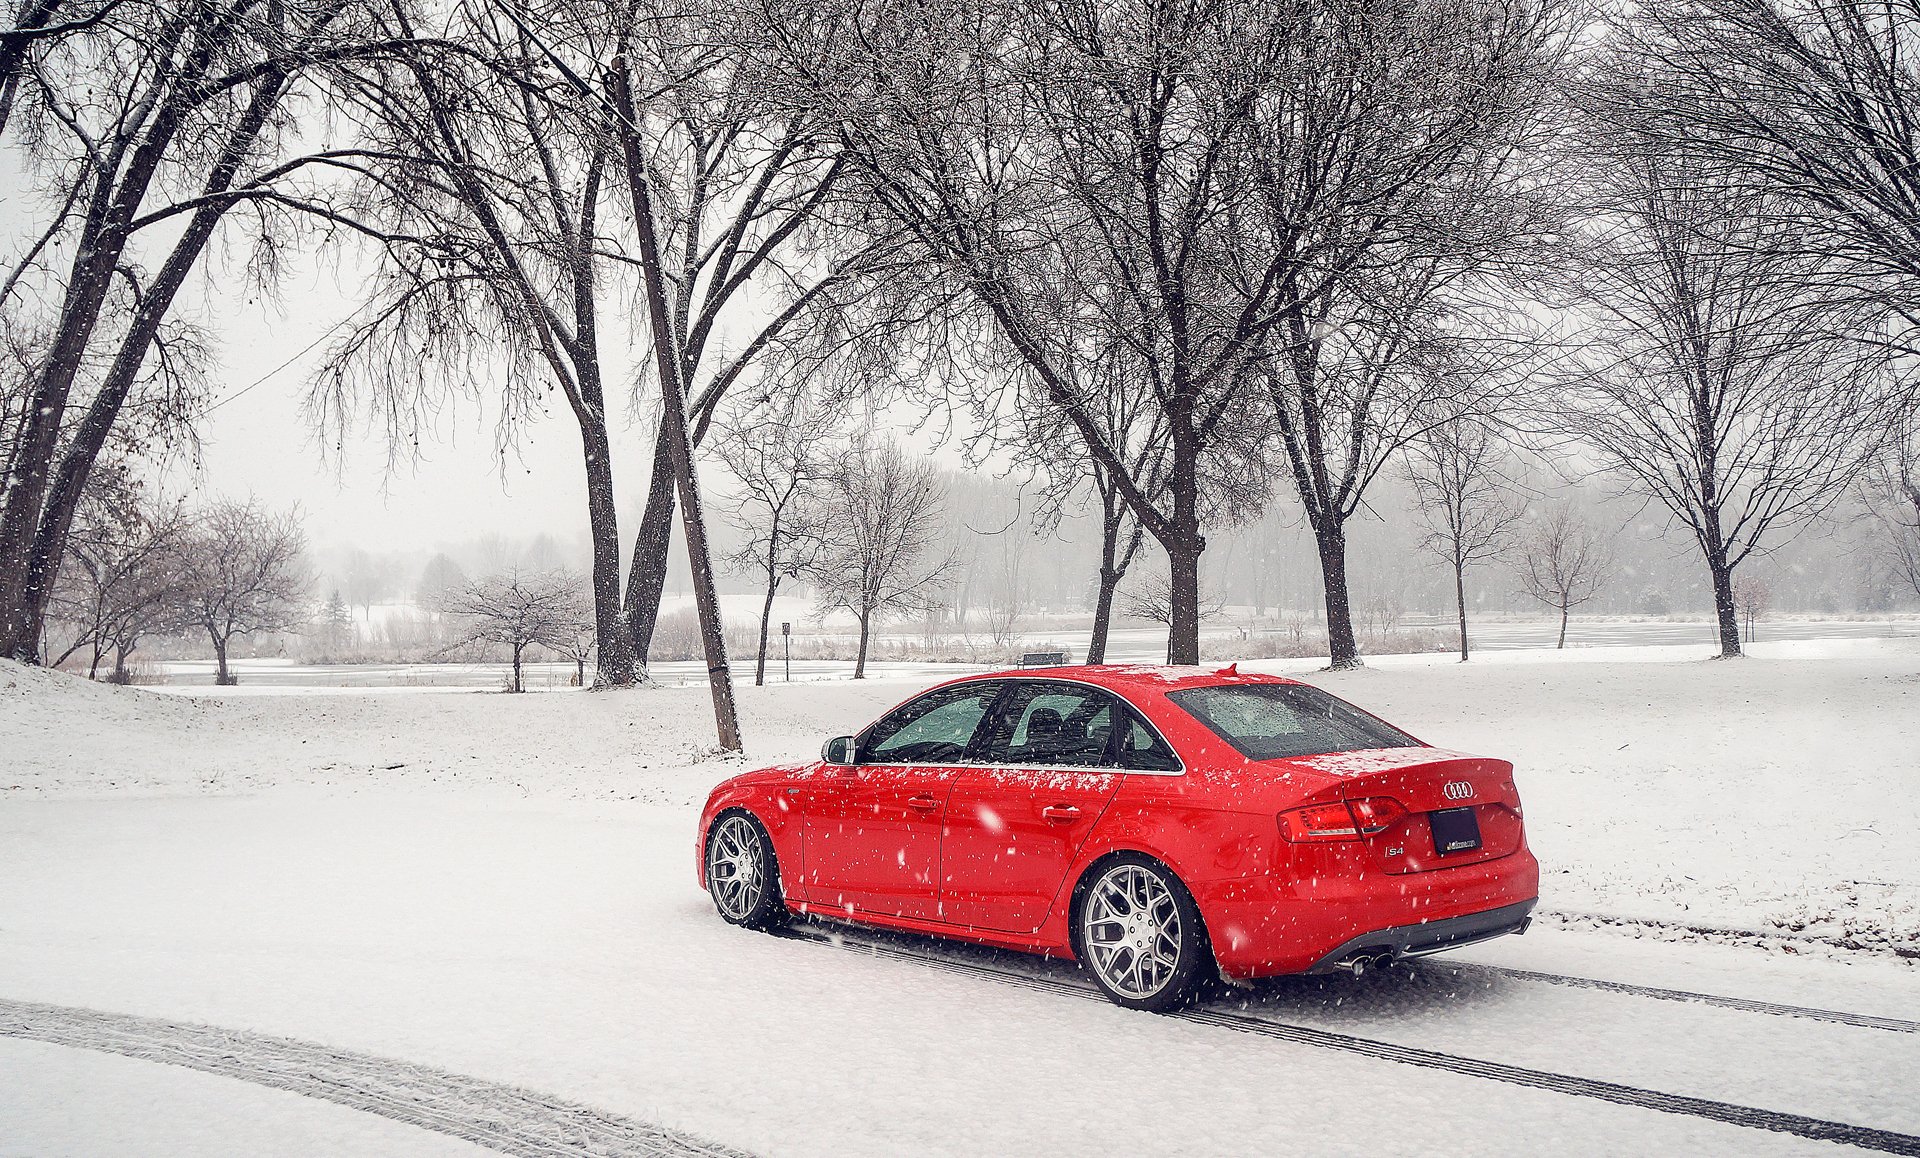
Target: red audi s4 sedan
{"type": "Point", "coordinates": [1159, 825]}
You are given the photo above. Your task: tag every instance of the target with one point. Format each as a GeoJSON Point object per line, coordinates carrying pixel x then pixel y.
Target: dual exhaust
{"type": "Point", "coordinates": [1359, 965]}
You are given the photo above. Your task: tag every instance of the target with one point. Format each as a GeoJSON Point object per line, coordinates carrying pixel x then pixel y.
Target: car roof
{"type": "Point", "coordinates": [1137, 676]}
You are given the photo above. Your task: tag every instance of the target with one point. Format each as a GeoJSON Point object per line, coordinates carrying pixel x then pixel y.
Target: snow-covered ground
{"type": "Point", "coordinates": [502, 887]}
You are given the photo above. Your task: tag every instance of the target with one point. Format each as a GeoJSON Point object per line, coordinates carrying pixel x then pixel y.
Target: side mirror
{"type": "Point", "coordinates": [839, 751]}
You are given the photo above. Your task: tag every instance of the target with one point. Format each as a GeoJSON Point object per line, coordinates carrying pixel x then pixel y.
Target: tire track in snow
{"type": "Point", "coordinates": [1865, 1137]}
{"type": "Point", "coordinates": [1744, 1004]}
{"type": "Point", "coordinates": [508, 1119]}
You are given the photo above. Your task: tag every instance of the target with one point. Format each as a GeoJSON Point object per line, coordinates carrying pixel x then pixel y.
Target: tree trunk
{"type": "Point", "coordinates": [766, 620]}
{"type": "Point", "coordinates": [1343, 650]}
{"type": "Point", "coordinates": [1102, 615]}
{"type": "Point", "coordinates": [93, 668]}
{"type": "Point", "coordinates": [668, 358]}
{"type": "Point", "coordinates": [516, 667]}
{"type": "Point", "coordinates": [1723, 605]}
{"type": "Point", "coordinates": [1183, 602]}
{"type": "Point", "coordinates": [1184, 544]}
{"type": "Point", "coordinates": [647, 574]}
{"type": "Point", "coordinates": [120, 674]}
{"type": "Point", "coordinates": [221, 675]}
{"type": "Point", "coordinates": [1563, 628]}
{"type": "Point", "coordinates": [614, 663]}
{"type": "Point", "coordinates": [860, 657]}
{"type": "Point", "coordinates": [1460, 600]}
{"type": "Point", "coordinates": [1113, 568]}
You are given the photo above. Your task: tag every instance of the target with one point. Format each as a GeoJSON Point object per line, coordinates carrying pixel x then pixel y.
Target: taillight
{"type": "Point", "coordinates": [1319, 822]}
{"type": "Point", "coordinates": [1341, 820]}
{"type": "Point", "coordinates": [1375, 813]}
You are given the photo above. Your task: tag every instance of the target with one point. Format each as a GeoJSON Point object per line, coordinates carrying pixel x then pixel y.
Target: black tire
{"type": "Point", "coordinates": [1169, 921]}
{"type": "Point", "coordinates": [743, 874]}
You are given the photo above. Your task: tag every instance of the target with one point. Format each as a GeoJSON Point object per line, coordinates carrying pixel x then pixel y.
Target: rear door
{"type": "Point", "coordinates": [1014, 826]}
{"type": "Point", "coordinates": [872, 830]}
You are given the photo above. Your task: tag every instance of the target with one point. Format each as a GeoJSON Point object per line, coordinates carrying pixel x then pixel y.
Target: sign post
{"type": "Point", "coordinates": [786, 636]}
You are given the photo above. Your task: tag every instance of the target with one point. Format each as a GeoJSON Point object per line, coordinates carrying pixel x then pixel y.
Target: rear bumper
{"type": "Point", "coordinates": [1428, 937]}
{"type": "Point", "coordinates": [1275, 924]}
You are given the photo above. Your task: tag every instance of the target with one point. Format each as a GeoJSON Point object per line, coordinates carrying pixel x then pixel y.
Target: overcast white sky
{"type": "Point", "coordinates": [256, 440]}
{"type": "Point", "coordinates": [259, 443]}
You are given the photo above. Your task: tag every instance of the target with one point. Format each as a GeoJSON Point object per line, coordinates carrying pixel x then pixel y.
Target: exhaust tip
{"type": "Point", "coordinates": [1359, 966]}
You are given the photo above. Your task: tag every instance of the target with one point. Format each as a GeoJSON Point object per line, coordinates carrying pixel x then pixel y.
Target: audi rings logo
{"type": "Point", "coordinates": [1458, 790]}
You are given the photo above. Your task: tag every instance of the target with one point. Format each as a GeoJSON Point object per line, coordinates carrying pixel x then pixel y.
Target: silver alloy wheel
{"type": "Point", "coordinates": [1131, 928]}
{"type": "Point", "coordinates": [734, 857]}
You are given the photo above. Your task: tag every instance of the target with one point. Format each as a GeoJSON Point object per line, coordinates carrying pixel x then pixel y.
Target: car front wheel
{"type": "Point", "coordinates": [742, 875]}
{"type": "Point", "coordinates": [1138, 932]}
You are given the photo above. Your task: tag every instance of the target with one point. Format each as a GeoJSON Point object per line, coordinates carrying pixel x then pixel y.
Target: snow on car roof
{"type": "Point", "coordinates": [1166, 677]}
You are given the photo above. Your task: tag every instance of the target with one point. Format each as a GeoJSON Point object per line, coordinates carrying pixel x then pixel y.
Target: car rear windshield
{"type": "Point", "coordinates": [1277, 721]}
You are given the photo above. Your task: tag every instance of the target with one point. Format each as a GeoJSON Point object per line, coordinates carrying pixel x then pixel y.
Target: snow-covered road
{"type": "Point", "coordinates": [562, 947]}
{"type": "Point", "coordinates": [500, 889]}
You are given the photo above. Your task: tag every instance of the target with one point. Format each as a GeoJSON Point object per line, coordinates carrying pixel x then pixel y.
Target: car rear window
{"type": "Point", "coordinates": [1277, 721]}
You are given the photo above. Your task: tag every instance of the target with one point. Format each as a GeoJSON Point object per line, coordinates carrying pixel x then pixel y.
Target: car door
{"type": "Point", "coordinates": [1015, 824]}
{"type": "Point", "coordinates": [872, 830]}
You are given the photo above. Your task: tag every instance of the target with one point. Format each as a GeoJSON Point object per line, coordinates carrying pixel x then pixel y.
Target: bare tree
{"type": "Point", "coordinates": [1404, 234]}
{"type": "Point", "coordinates": [885, 527]}
{"type": "Point", "coordinates": [247, 574]}
{"type": "Point", "coordinates": [1563, 563]}
{"type": "Point", "coordinates": [1152, 600]}
{"type": "Point", "coordinates": [1721, 378]}
{"type": "Point", "coordinates": [152, 123]}
{"type": "Point", "coordinates": [1892, 493]}
{"type": "Point", "coordinates": [1006, 561]}
{"type": "Point", "coordinates": [1124, 410]}
{"type": "Point", "coordinates": [1062, 196]}
{"type": "Point", "coordinates": [1455, 471]}
{"type": "Point", "coordinates": [367, 579]}
{"type": "Point", "coordinates": [1079, 172]}
{"type": "Point", "coordinates": [491, 186]}
{"type": "Point", "coordinates": [124, 576]}
{"type": "Point", "coordinates": [728, 189]}
{"type": "Point", "coordinates": [576, 634]}
{"type": "Point", "coordinates": [1813, 102]}
{"type": "Point", "coordinates": [776, 450]}
{"type": "Point", "coordinates": [518, 611]}
{"type": "Point", "coordinates": [1752, 597]}
{"type": "Point", "coordinates": [440, 576]}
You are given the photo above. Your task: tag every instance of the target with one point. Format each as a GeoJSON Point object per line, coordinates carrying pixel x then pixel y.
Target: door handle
{"type": "Point", "coordinates": [923, 803]}
{"type": "Point", "coordinates": [1062, 812]}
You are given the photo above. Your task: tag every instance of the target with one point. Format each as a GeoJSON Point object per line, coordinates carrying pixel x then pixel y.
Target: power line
{"type": "Point", "coordinates": [297, 355]}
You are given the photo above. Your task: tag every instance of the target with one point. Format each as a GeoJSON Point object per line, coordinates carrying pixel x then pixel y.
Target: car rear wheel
{"type": "Point", "coordinates": [1138, 932]}
{"type": "Point", "coordinates": [742, 875]}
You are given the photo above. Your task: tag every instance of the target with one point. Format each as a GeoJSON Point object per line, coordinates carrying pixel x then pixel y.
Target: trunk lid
{"type": "Point", "coordinates": [1426, 782]}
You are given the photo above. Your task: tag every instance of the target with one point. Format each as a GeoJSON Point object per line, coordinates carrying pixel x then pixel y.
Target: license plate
{"type": "Point", "coordinates": [1455, 830]}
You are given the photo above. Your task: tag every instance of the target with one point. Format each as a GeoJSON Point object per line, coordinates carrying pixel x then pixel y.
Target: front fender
{"type": "Point", "coordinates": [769, 803]}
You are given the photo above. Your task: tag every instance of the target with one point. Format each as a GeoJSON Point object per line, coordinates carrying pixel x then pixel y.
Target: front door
{"type": "Point", "coordinates": [1014, 827]}
{"type": "Point", "coordinates": [872, 830]}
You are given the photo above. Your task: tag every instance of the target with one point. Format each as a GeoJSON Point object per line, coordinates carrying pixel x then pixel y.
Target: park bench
{"type": "Point", "coordinates": [1044, 659]}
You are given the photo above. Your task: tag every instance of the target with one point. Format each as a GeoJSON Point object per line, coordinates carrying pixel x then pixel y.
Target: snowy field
{"type": "Point", "coordinates": [502, 887]}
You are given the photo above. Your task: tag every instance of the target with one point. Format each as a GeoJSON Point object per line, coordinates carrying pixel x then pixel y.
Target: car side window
{"type": "Point", "coordinates": [1142, 749]}
{"type": "Point", "coordinates": [1045, 725]}
{"type": "Point", "coordinates": [934, 729]}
